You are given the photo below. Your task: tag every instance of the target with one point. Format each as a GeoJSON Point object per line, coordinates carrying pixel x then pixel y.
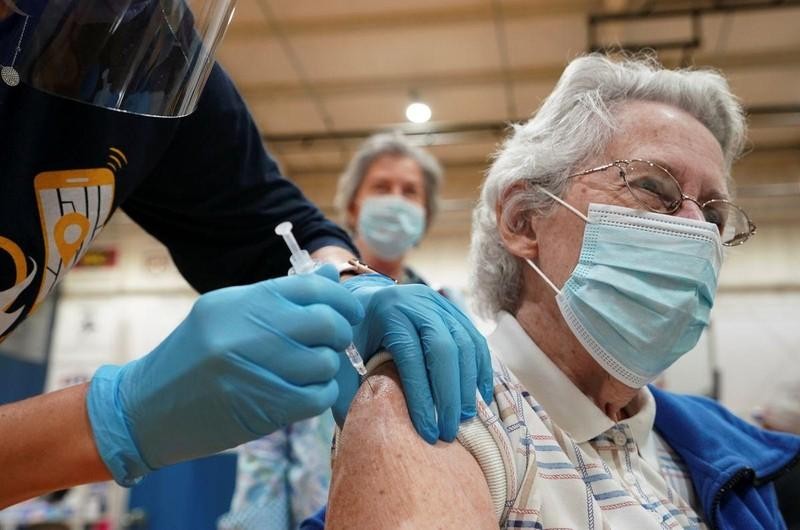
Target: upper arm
{"type": "Point", "coordinates": [386, 476]}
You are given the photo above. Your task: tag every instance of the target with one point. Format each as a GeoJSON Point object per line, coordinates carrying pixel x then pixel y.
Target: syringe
{"type": "Point", "coordinates": [303, 264]}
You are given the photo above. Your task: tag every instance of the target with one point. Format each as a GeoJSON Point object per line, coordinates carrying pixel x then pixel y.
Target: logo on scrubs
{"type": "Point", "coordinates": [74, 206]}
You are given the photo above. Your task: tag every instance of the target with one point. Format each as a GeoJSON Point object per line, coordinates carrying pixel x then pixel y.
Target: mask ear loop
{"type": "Point", "coordinates": [565, 204]}
{"type": "Point", "coordinates": [545, 278]}
{"type": "Point", "coordinates": [573, 210]}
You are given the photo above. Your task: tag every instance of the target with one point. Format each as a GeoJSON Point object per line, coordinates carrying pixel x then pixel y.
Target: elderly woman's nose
{"type": "Point", "coordinates": [690, 210]}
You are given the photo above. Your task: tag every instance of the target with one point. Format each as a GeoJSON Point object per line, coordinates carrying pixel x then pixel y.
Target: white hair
{"type": "Point", "coordinates": [387, 144]}
{"type": "Point", "coordinates": [574, 124]}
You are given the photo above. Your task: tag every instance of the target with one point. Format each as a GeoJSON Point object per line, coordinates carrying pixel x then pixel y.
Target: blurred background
{"type": "Point", "coordinates": [319, 77]}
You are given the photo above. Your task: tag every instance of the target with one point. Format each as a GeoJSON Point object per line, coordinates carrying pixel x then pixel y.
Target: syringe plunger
{"type": "Point", "coordinates": [300, 259]}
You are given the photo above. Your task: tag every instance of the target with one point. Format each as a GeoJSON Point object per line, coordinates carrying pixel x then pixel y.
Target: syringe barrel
{"type": "Point", "coordinates": [302, 262]}
{"type": "Point", "coordinates": [355, 359]}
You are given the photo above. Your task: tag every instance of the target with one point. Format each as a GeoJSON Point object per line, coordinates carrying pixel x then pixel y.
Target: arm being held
{"type": "Point", "coordinates": [386, 476]}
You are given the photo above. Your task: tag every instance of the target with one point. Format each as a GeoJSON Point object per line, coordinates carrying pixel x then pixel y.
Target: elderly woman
{"type": "Point", "coordinates": [597, 246]}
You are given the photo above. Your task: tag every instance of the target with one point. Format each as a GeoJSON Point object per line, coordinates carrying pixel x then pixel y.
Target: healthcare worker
{"type": "Point", "coordinates": [118, 103]}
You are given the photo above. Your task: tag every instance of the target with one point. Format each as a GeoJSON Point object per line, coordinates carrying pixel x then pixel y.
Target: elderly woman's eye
{"type": "Point", "coordinates": [653, 192]}
{"type": "Point", "coordinates": [648, 184]}
{"type": "Point", "coordinates": [714, 216]}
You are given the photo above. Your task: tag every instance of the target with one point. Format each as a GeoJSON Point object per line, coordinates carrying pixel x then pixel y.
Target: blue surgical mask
{"type": "Point", "coordinates": [642, 291]}
{"type": "Point", "coordinates": [390, 225]}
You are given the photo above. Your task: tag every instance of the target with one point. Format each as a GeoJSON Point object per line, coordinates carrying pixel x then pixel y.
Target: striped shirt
{"type": "Point", "coordinates": [553, 460]}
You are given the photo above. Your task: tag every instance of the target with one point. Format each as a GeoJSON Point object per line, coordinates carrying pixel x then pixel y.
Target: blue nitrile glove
{"type": "Point", "coordinates": [440, 356]}
{"type": "Point", "coordinates": [245, 362]}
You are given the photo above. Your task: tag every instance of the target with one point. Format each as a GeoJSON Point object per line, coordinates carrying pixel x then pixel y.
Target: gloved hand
{"type": "Point", "coordinates": [440, 356]}
{"type": "Point", "coordinates": [245, 362]}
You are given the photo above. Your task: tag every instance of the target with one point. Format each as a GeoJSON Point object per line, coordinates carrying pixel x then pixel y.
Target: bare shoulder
{"type": "Point", "coordinates": [386, 476]}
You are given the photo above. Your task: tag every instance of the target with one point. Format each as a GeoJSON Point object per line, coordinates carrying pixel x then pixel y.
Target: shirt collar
{"type": "Point", "coordinates": [566, 405]}
{"type": "Point", "coordinates": [641, 422]}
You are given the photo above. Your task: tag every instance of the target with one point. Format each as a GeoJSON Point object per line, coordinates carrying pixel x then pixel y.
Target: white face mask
{"type": "Point", "coordinates": [642, 291]}
{"type": "Point", "coordinates": [391, 225]}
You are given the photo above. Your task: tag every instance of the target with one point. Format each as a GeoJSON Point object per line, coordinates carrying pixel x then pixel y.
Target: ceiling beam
{"type": "Point", "coordinates": [457, 133]}
{"type": "Point", "coordinates": [650, 11]}
{"type": "Point", "coordinates": [701, 7]}
{"type": "Point", "coordinates": [334, 87]}
{"type": "Point", "coordinates": [435, 16]}
{"type": "Point", "coordinates": [479, 163]}
{"type": "Point", "coordinates": [545, 74]}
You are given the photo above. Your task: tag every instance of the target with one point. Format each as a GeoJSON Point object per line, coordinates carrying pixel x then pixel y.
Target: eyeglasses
{"type": "Point", "coordinates": [657, 190]}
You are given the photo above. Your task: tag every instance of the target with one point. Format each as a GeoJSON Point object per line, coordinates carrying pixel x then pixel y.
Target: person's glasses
{"type": "Point", "coordinates": [657, 190]}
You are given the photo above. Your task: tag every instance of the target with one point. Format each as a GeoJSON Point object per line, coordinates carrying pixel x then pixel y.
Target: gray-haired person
{"type": "Point", "coordinates": [596, 246]}
{"type": "Point", "coordinates": [387, 198]}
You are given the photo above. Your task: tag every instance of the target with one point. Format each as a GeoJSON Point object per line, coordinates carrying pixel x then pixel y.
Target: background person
{"type": "Point", "coordinates": [597, 244]}
{"type": "Point", "coordinates": [388, 198]}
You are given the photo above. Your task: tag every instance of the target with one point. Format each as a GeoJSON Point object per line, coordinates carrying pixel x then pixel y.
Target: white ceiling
{"type": "Point", "coordinates": [320, 75]}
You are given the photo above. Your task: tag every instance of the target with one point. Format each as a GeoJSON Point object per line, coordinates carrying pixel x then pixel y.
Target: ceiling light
{"type": "Point", "coordinates": [418, 112]}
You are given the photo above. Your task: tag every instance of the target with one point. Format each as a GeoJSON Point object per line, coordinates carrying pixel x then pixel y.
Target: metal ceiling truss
{"type": "Point", "coordinates": [457, 133]}
{"type": "Point", "coordinates": [692, 11]}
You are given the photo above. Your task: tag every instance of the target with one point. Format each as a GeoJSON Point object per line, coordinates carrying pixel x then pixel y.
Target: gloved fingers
{"type": "Point", "coordinates": [467, 366]}
{"type": "Point", "coordinates": [258, 400]}
{"type": "Point", "coordinates": [283, 403]}
{"type": "Point", "coordinates": [482, 357]}
{"type": "Point", "coordinates": [364, 281]}
{"type": "Point", "coordinates": [309, 289]}
{"type": "Point", "coordinates": [296, 363]}
{"type": "Point", "coordinates": [403, 342]}
{"type": "Point", "coordinates": [313, 400]}
{"type": "Point", "coordinates": [328, 270]}
{"type": "Point", "coordinates": [317, 325]}
{"type": "Point", "coordinates": [442, 361]}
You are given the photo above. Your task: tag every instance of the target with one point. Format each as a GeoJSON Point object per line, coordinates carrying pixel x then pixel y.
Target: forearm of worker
{"type": "Point", "coordinates": [332, 254]}
{"type": "Point", "coordinates": [386, 476]}
{"type": "Point", "coordinates": [46, 444]}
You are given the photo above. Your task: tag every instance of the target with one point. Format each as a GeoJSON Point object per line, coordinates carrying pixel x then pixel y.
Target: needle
{"type": "Point", "coordinates": [303, 264]}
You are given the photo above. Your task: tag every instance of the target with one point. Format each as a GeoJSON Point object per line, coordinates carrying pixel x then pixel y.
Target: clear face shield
{"type": "Point", "coordinates": [149, 57]}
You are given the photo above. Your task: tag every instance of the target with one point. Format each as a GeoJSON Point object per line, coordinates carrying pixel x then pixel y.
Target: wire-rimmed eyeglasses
{"type": "Point", "coordinates": [653, 187]}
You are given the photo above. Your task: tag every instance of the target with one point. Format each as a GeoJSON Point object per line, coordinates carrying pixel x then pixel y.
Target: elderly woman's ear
{"type": "Point", "coordinates": [515, 225]}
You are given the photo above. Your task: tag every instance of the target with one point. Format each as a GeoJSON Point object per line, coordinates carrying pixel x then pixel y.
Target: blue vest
{"type": "Point", "coordinates": [732, 463]}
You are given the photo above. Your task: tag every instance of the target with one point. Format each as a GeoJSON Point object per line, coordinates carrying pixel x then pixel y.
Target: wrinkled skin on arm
{"type": "Point", "coordinates": [386, 476]}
